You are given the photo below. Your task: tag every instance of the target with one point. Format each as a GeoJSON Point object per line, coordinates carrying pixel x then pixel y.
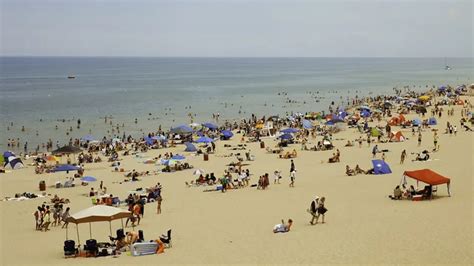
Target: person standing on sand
{"type": "Point", "coordinates": [419, 139]}
{"type": "Point", "coordinates": [321, 209]}
{"type": "Point", "coordinates": [403, 156]}
{"type": "Point", "coordinates": [292, 166]}
{"type": "Point", "coordinates": [159, 199]}
{"type": "Point", "coordinates": [292, 178]}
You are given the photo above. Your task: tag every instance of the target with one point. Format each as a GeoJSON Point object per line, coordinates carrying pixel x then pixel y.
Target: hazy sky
{"type": "Point", "coordinates": [237, 28]}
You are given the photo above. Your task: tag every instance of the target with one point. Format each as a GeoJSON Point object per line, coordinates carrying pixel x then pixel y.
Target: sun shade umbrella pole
{"type": "Point", "coordinates": [77, 230]}
{"type": "Point", "coordinates": [110, 227]}
{"type": "Point", "coordinates": [90, 231]}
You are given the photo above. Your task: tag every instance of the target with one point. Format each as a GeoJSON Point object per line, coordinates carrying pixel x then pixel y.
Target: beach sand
{"type": "Point", "coordinates": [362, 225]}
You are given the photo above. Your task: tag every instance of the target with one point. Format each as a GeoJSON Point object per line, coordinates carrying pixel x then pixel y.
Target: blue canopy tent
{"type": "Point", "coordinates": [182, 129]}
{"type": "Point", "coordinates": [210, 126]}
{"type": "Point", "coordinates": [286, 136]}
{"type": "Point", "coordinates": [204, 140]}
{"type": "Point", "coordinates": [65, 167]}
{"type": "Point", "coordinates": [289, 130]}
{"type": "Point", "coordinates": [227, 134]}
{"type": "Point", "coordinates": [432, 121]}
{"type": "Point", "coordinates": [416, 122]}
{"type": "Point", "coordinates": [381, 167]}
{"type": "Point", "coordinates": [190, 147]}
{"type": "Point", "coordinates": [307, 124]}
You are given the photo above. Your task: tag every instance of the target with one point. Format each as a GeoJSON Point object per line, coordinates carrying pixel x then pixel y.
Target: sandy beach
{"type": "Point", "coordinates": [362, 224]}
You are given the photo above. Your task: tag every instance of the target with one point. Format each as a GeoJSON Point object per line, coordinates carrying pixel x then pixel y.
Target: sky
{"type": "Point", "coordinates": [237, 28]}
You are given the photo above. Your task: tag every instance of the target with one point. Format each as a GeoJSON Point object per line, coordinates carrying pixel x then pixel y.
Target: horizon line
{"type": "Point", "coordinates": [223, 57]}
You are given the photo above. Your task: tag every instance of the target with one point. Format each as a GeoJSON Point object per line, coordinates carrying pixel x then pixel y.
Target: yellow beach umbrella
{"type": "Point", "coordinates": [424, 98]}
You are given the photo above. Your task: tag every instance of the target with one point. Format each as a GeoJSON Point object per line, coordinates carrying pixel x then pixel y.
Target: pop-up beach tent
{"type": "Point", "coordinates": [11, 161]}
{"type": "Point", "coordinates": [432, 121]}
{"type": "Point", "coordinates": [427, 176]}
{"type": "Point", "coordinates": [397, 137]}
{"type": "Point", "coordinates": [190, 147]}
{"type": "Point", "coordinates": [98, 213]}
{"type": "Point", "coordinates": [381, 167]}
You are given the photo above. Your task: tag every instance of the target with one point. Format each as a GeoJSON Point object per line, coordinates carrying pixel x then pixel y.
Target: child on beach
{"type": "Point", "coordinates": [292, 178]}
{"type": "Point", "coordinates": [283, 228]}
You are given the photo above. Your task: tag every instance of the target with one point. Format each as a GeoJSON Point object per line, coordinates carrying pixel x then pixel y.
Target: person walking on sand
{"type": "Point", "coordinates": [313, 210]}
{"type": "Point", "coordinates": [419, 139]}
{"type": "Point", "coordinates": [292, 166]}
{"type": "Point", "coordinates": [403, 156]}
{"type": "Point", "coordinates": [321, 209]}
{"type": "Point", "coordinates": [292, 178]}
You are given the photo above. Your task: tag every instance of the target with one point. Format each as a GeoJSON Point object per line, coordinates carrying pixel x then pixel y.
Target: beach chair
{"type": "Point", "coordinates": [70, 249]}
{"type": "Point", "coordinates": [144, 248]}
{"type": "Point", "coordinates": [166, 239]}
{"type": "Point", "coordinates": [91, 247]}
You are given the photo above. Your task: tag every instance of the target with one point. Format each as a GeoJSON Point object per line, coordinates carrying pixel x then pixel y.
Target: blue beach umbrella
{"type": "Point", "coordinates": [66, 167]}
{"type": "Point", "coordinates": [204, 140]}
{"type": "Point", "coordinates": [416, 122]}
{"type": "Point", "coordinates": [227, 134]}
{"type": "Point", "coordinates": [307, 124]}
{"type": "Point", "coordinates": [190, 147]}
{"type": "Point", "coordinates": [178, 157]}
{"type": "Point", "coordinates": [286, 136]}
{"type": "Point", "coordinates": [210, 126]}
{"type": "Point", "coordinates": [182, 129]}
{"type": "Point", "coordinates": [289, 130]}
{"type": "Point", "coordinates": [381, 167]}
{"type": "Point", "coordinates": [88, 179]}
{"type": "Point", "coordinates": [365, 113]}
{"type": "Point", "coordinates": [149, 141]}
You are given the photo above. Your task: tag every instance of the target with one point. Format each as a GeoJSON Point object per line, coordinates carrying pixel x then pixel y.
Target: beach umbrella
{"type": "Point", "coordinates": [210, 126]}
{"type": "Point", "coordinates": [416, 122]}
{"type": "Point", "coordinates": [182, 129]}
{"type": "Point", "coordinates": [381, 167]}
{"type": "Point", "coordinates": [66, 167]}
{"type": "Point", "coordinates": [148, 141]}
{"type": "Point", "coordinates": [227, 134]}
{"type": "Point", "coordinates": [365, 107]}
{"type": "Point", "coordinates": [307, 124]}
{"type": "Point", "coordinates": [286, 136]}
{"type": "Point", "coordinates": [178, 157]}
{"type": "Point", "coordinates": [334, 121]}
{"type": "Point", "coordinates": [88, 179]}
{"type": "Point", "coordinates": [52, 158]}
{"type": "Point", "coordinates": [199, 172]}
{"type": "Point", "coordinates": [204, 139]}
{"type": "Point", "coordinates": [365, 113]}
{"type": "Point", "coordinates": [87, 138]}
{"type": "Point", "coordinates": [424, 98]}
{"type": "Point", "coordinates": [289, 130]}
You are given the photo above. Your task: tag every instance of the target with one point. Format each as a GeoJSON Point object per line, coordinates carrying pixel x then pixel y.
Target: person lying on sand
{"type": "Point", "coordinates": [349, 171]}
{"type": "Point", "coordinates": [283, 228]}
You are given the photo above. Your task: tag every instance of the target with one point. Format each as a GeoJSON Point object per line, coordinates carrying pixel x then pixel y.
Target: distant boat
{"type": "Point", "coordinates": [446, 67]}
{"type": "Point", "coordinates": [71, 77]}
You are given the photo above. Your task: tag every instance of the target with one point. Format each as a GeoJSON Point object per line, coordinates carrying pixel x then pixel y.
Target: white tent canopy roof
{"type": "Point", "coordinates": [99, 213]}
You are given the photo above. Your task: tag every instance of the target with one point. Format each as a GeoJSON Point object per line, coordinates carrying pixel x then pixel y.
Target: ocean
{"type": "Point", "coordinates": [35, 92]}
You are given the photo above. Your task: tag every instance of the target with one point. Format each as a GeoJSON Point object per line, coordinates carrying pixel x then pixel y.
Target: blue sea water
{"type": "Point", "coordinates": [34, 89]}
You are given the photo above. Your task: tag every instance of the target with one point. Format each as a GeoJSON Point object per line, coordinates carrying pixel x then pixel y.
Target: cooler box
{"type": "Point", "coordinates": [262, 145]}
{"type": "Point", "coordinates": [206, 157]}
{"type": "Point", "coordinates": [417, 198]}
{"type": "Point", "coordinates": [42, 185]}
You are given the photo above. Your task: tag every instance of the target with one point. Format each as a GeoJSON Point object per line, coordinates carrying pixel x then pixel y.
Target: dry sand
{"type": "Point", "coordinates": [363, 225]}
